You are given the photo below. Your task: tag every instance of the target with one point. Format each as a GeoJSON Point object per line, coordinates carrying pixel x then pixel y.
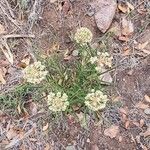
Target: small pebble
{"type": "Point", "coordinates": [70, 147]}
{"type": "Point", "coordinates": [147, 111]}
{"type": "Point", "coordinates": [75, 53]}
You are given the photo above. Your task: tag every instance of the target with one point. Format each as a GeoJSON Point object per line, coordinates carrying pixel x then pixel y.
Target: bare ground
{"type": "Point", "coordinates": [53, 30]}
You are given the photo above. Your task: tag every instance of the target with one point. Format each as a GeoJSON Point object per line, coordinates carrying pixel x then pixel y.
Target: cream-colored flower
{"type": "Point", "coordinates": [98, 69]}
{"type": "Point", "coordinates": [93, 59]}
{"type": "Point", "coordinates": [35, 73]}
{"type": "Point", "coordinates": [83, 36]}
{"type": "Point", "coordinates": [58, 101]}
{"type": "Point", "coordinates": [104, 59]}
{"type": "Point", "coordinates": [96, 100]}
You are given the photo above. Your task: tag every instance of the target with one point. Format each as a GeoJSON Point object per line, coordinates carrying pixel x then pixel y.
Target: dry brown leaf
{"type": "Point", "coordinates": [127, 27]}
{"type": "Point", "coordinates": [122, 8]}
{"type": "Point", "coordinates": [127, 124]}
{"type": "Point", "coordinates": [2, 74]}
{"type": "Point", "coordinates": [30, 108]}
{"type": "Point", "coordinates": [120, 139]}
{"type": "Point", "coordinates": [2, 29]}
{"type": "Point", "coordinates": [141, 105]}
{"type": "Point", "coordinates": [127, 52]}
{"type": "Point", "coordinates": [143, 45]}
{"type": "Point", "coordinates": [11, 133]}
{"type": "Point", "coordinates": [33, 108]}
{"type": "Point", "coordinates": [130, 6]}
{"type": "Point", "coordinates": [146, 133]}
{"type": "Point", "coordinates": [142, 123]}
{"type": "Point", "coordinates": [47, 147]}
{"type": "Point", "coordinates": [25, 62]}
{"type": "Point", "coordinates": [45, 127]}
{"type": "Point", "coordinates": [111, 131]}
{"type": "Point", "coordinates": [136, 123]}
{"type": "Point", "coordinates": [124, 111]}
{"type": "Point", "coordinates": [147, 98]}
{"type": "Point", "coordinates": [123, 38]}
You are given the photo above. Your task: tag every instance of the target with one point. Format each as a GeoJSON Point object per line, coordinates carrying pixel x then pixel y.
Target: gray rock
{"type": "Point", "coordinates": [70, 147]}
{"type": "Point", "coordinates": [147, 111]}
{"type": "Point", "coordinates": [105, 11]}
{"type": "Point", "coordinates": [106, 77]}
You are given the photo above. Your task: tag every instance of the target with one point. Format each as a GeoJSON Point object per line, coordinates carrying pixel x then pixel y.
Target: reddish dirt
{"type": "Point", "coordinates": [131, 82]}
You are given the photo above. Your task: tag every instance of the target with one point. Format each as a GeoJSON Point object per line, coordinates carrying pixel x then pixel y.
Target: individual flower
{"type": "Point", "coordinates": [58, 101]}
{"type": "Point", "coordinates": [96, 100]}
{"type": "Point", "coordinates": [35, 73]}
{"type": "Point", "coordinates": [98, 69]}
{"type": "Point", "coordinates": [83, 36]}
{"type": "Point", "coordinates": [104, 59]}
{"type": "Point", "coordinates": [93, 59]}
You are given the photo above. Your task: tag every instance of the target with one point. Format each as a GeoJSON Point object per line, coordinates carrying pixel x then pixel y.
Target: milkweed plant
{"type": "Point", "coordinates": [72, 82]}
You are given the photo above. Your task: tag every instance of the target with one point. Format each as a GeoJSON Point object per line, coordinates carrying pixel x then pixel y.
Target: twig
{"type": "Point", "coordinates": [19, 138]}
{"type": "Point", "coordinates": [9, 9]}
{"type": "Point", "coordinates": [33, 17]}
{"type": "Point", "coordinates": [17, 36]}
{"type": "Point", "coordinates": [9, 17]}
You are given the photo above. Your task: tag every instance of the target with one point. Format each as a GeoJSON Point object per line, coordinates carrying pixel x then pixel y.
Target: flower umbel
{"type": "Point", "coordinates": [35, 73]}
{"type": "Point", "coordinates": [93, 59]}
{"type": "Point", "coordinates": [83, 36]}
{"type": "Point", "coordinates": [104, 59]}
{"type": "Point", "coordinates": [96, 100]}
{"type": "Point", "coordinates": [58, 101]}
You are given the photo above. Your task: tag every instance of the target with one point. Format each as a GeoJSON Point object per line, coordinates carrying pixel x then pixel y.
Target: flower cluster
{"type": "Point", "coordinates": [83, 36]}
{"type": "Point", "coordinates": [102, 59]}
{"type": "Point", "coordinates": [96, 100]}
{"type": "Point", "coordinates": [35, 73]}
{"type": "Point", "coordinates": [58, 101]}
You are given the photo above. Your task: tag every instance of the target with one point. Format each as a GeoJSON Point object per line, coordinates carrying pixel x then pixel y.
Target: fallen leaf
{"type": "Point", "coordinates": [120, 139]}
{"type": "Point", "coordinates": [2, 29]}
{"type": "Point", "coordinates": [25, 62]}
{"type": "Point", "coordinates": [82, 119]}
{"type": "Point", "coordinates": [2, 74]}
{"type": "Point", "coordinates": [127, 124]}
{"type": "Point", "coordinates": [45, 127]}
{"type": "Point", "coordinates": [147, 98]}
{"type": "Point", "coordinates": [127, 27]}
{"type": "Point", "coordinates": [143, 45]}
{"type": "Point", "coordinates": [123, 38]}
{"type": "Point", "coordinates": [33, 108]}
{"type": "Point", "coordinates": [127, 52]}
{"type": "Point", "coordinates": [142, 123]}
{"type": "Point", "coordinates": [111, 131]}
{"type": "Point", "coordinates": [136, 123]}
{"type": "Point", "coordinates": [124, 111]}
{"type": "Point", "coordinates": [146, 133]}
{"type": "Point", "coordinates": [141, 105]}
{"type": "Point", "coordinates": [146, 51]}
{"type": "Point", "coordinates": [11, 133]}
{"type": "Point", "coordinates": [123, 8]}
{"type": "Point", "coordinates": [47, 147]}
